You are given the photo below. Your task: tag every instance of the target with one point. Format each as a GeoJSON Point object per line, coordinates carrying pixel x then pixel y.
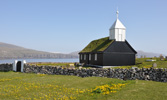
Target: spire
{"type": "Point", "coordinates": [117, 13]}
{"type": "Point", "coordinates": [117, 30]}
{"type": "Point", "coordinates": [117, 23]}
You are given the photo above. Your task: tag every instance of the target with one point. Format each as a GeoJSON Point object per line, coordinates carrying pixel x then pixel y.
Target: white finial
{"type": "Point", "coordinates": [117, 13]}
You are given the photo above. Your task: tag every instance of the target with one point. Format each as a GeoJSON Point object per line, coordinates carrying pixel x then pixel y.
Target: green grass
{"type": "Point", "coordinates": [50, 64]}
{"type": "Point", "coordinates": [142, 63]}
{"type": "Point", "coordinates": [98, 45]}
{"type": "Point", "coordinates": [23, 86]}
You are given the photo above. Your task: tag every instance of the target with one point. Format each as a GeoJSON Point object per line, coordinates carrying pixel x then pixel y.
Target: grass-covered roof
{"type": "Point", "coordinates": [97, 45]}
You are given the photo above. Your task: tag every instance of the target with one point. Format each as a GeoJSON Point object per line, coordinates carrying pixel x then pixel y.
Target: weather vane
{"type": "Point", "coordinates": [117, 12]}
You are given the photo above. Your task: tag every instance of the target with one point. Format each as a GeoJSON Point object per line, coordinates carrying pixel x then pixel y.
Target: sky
{"type": "Point", "coordinates": [69, 25]}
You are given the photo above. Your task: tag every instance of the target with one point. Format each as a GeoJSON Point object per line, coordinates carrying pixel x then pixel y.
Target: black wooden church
{"type": "Point", "coordinates": [109, 51]}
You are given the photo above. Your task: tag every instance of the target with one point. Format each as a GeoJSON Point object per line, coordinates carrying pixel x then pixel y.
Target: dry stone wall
{"type": "Point", "coordinates": [6, 67]}
{"type": "Point", "coordinates": [153, 74]}
{"type": "Point", "coordinates": [125, 74]}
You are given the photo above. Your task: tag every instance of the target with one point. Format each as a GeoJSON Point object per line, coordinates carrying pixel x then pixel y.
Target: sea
{"type": "Point", "coordinates": [39, 60]}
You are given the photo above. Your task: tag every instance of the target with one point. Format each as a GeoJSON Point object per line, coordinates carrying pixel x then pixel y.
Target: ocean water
{"type": "Point", "coordinates": [39, 60]}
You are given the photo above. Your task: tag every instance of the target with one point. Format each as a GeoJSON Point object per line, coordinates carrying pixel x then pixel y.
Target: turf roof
{"type": "Point", "coordinates": [97, 45]}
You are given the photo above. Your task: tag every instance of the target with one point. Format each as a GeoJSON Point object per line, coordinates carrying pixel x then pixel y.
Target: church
{"type": "Point", "coordinates": [109, 51]}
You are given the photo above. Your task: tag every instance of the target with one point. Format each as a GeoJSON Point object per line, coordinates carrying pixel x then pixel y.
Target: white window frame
{"type": "Point", "coordinates": [95, 56]}
{"type": "Point", "coordinates": [89, 56]}
{"type": "Point", "coordinates": [84, 56]}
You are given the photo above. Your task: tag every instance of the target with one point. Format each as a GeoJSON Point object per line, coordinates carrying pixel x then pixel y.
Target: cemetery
{"type": "Point", "coordinates": [153, 73]}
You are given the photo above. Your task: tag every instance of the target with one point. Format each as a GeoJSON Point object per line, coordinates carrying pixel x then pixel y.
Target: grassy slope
{"type": "Point", "coordinates": [142, 63]}
{"type": "Point", "coordinates": [160, 64]}
{"type": "Point", "coordinates": [134, 90]}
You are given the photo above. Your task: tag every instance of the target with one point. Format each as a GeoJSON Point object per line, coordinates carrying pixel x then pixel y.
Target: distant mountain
{"type": "Point", "coordinates": [147, 54]}
{"type": "Point", "coordinates": [75, 53]}
{"type": "Point", "coordinates": [9, 51]}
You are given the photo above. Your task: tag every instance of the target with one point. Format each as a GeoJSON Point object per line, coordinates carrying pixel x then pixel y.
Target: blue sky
{"type": "Point", "coordinates": [69, 25]}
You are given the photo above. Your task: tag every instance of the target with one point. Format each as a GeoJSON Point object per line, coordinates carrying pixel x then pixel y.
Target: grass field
{"type": "Point", "coordinates": [50, 64]}
{"type": "Point", "coordinates": [23, 86]}
{"type": "Point", "coordinates": [140, 63]}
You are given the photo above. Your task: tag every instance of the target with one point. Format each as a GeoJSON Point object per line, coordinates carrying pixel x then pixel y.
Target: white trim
{"type": "Point", "coordinates": [22, 65]}
{"type": "Point", "coordinates": [14, 65]}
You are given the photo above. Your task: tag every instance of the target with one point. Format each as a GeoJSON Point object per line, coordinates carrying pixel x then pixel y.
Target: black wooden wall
{"type": "Point", "coordinates": [117, 54]}
{"type": "Point", "coordinates": [118, 59]}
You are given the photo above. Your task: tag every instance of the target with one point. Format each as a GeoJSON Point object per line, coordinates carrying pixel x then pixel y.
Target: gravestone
{"type": "Point", "coordinates": [154, 65]}
{"type": "Point", "coordinates": [161, 57]}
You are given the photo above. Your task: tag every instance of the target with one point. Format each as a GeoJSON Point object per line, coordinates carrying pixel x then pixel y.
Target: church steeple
{"type": "Point", "coordinates": [117, 30]}
{"type": "Point", "coordinates": [117, 13]}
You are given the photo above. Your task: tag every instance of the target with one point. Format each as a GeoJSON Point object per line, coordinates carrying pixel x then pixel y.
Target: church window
{"type": "Point", "coordinates": [89, 56]}
{"type": "Point", "coordinates": [95, 57]}
{"type": "Point", "coordinates": [84, 56]}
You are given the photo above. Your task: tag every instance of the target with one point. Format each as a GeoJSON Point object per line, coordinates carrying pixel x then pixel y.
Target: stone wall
{"type": "Point", "coordinates": [6, 67]}
{"type": "Point", "coordinates": [125, 74]}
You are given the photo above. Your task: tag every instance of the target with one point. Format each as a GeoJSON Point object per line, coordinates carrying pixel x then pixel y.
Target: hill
{"type": "Point", "coordinates": [9, 51]}
{"type": "Point", "coordinates": [147, 54]}
{"type": "Point", "coordinates": [75, 53]}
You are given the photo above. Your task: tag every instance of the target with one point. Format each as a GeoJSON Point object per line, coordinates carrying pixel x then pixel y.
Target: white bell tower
{"type": "Point", "coordinates": [117, 30]}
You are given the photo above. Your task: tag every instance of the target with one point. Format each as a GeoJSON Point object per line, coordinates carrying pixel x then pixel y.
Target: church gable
{"type": "Point", "coordinates": [120, 47]}
{"type": "Point", "coordinates": [97, 45]}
